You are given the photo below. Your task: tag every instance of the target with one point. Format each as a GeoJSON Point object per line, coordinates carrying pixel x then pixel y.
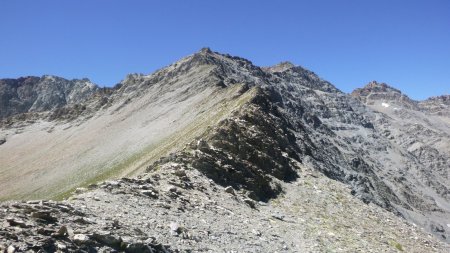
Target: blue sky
{"type": "Point", "coordinates": [347, 42]}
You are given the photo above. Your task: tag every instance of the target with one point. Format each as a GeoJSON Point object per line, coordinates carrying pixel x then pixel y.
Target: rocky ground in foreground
{"type": "Point", "coordinates": [177, 209]}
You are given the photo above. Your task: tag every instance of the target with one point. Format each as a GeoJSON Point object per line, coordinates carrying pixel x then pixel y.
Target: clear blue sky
{"type": "Point", "coordinates": [347, 42]}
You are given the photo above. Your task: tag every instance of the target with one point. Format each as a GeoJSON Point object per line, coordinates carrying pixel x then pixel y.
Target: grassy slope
{"type": "Point", "coordinates": [137, 162]}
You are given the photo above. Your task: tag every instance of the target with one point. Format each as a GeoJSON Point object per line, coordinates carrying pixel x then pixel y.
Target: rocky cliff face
{"type": "Point", "coordinates": [437, 105]}
{"type": "Point", "coordinates": [279, 139]}
{"type": "Point", "coordinates": [37, 94]}
{"type": "Point", "coordinates": [421, 132]}
{"type": "Point", "coordinates": [375, 91]}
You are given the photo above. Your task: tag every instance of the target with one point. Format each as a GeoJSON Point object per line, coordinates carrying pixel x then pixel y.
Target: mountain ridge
{"type": "Point", "coordinates": [252, 129]}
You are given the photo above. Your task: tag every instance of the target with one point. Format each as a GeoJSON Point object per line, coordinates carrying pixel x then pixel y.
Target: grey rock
{"type": "Point", "coordinates": [81, 239]}
{"type": "Point", "coordinates": [230, 190]}
{"type": "Point", "coordinates": [80, 190]}
{"type": "Point", "coordinates": [180, 172]}
{"type": "Point", "coordinates": [11, 249]}
{"type": "Point", "coordinates": [44, 215]}
{"type": "Point", "coordinates": [17, 223]}
{"type": "Point", "coordinates": [256, 232]}
{"type": "Point", "coordinates": [250, 202]}
{"type": "Point", "coordinates": [278, 216]}
{"type": "Point", "coordinates": [138, 248]}
{"type": "Point", "coordinates": [61, 246]}
{"type": "Point", "coordinates": [63, 231]}
{"type": "Point", "coordinates": [175, 229]}
{"type": "Point", "coordinates": [108, 239]}
{"type": "Point", "coordinates": [150, 193]}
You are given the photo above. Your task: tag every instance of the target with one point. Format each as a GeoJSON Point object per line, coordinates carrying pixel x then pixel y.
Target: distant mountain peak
{"type": "Point", "coordinates": [443, 98]}
{"type": "Point", "coordinates": [439, 105]}
{"type": "Point", "coordinates": [375, 93]}
{"type": "Point", "coordinates": [38, 94]}
{"type": "Point", "coordinates": [379, 87]}
{"type": "Point", "coordinates": [205, 50]}
{"type": "Point", "coordinates": [280, 67]}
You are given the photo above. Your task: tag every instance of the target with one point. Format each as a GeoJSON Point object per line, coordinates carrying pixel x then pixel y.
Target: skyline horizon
{"type": "Point", "coordinates": [223, 53]}
{"type": "Point", "coordinates": [402, 43]}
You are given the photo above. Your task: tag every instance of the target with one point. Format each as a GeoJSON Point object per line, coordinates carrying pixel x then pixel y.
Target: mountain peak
{"type": "Point", "coordinates": [379, 87]}
{"type": "Point", "coordinates": [375, 93]}
{"type": "Point", "coordinates": [439, 105]}
{"type": "Point", "coordinates": [280, 67]}
{"type": "Point", "coordinates": [205, 50]}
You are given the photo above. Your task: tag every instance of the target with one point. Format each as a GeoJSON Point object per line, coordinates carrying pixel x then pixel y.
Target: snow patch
{"type": "Point", "coordinates": [385, 105]}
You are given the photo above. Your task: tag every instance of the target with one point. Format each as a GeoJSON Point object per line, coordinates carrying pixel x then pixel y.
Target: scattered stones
{"type": "Point", "coordinates": [216, 221]}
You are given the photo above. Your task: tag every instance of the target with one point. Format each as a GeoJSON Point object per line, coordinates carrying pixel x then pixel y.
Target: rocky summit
{"type": "Point", "coordinates": [215, 154]}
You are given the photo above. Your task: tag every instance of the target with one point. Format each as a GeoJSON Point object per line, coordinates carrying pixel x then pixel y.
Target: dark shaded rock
{"type": "Point", "coordinates": [62, 232]}
{"type": "Point", "coordinates": [229, 189]}
{"type": "Point", "coordinates": [138, 248]}
{"type": "Point", "coordinates": [17, 223]}
{"type": "Point", "coordinates": [107, 239]}
{"type": "Point", "coordinates": [44, 215]}
{"type": "Point", "coordinates": [150, 193]}
{"type": "Point", "coordinates": [250, 203]}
